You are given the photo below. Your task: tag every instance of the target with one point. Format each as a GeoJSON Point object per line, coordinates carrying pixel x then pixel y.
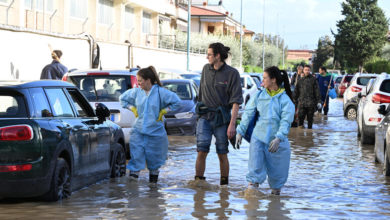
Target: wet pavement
{"type": "Point", "coordinates": [332, 176]}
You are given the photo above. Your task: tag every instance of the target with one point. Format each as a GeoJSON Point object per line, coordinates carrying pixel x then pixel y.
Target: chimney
{"type": "Point", "coordinates": [204, 3]}
{"type": "Point", "coordinates": [227, 13]}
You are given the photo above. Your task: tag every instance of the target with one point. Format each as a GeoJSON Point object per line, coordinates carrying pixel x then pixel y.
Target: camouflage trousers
{"type": "Point", "coordinates": [308, 113]}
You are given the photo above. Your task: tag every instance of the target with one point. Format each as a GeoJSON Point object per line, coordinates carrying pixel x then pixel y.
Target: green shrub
{"type": "Point", "coordinates": [378, 65]}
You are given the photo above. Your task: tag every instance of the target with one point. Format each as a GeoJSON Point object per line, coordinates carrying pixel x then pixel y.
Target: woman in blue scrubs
{"type": "Point", "coordinates": [269, 151]}
{"type": "Point", "coordinates": [148, 138]}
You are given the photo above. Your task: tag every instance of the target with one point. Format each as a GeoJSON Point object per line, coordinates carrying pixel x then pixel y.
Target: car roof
{"type": "Point", "coordinates": [177, 71]}
{"type": "Point", "coordinates": [176, 81]}
{"type": "Point", "coordinates": [110, 71]}
{"type": "Point", "coordinates": [35, 83]}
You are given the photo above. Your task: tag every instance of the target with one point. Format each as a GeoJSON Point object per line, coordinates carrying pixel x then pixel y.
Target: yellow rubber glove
{"type": "Point", "coordinates": [134, 110]}
{"type": "Point", "coordinates": [161, 114]}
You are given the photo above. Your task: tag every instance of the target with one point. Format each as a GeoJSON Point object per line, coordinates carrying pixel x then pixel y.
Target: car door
{"type": "Point", "coordinates": [75, 131]}
{"type": "Point", "coordinates": [99, 135]}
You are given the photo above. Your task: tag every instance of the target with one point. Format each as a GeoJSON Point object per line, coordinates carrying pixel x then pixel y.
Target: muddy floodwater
{"type": "Point", "coordinates": [332, 176]}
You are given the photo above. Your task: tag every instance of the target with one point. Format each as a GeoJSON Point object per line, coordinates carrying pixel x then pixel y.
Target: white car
{"type": "Point", "coordinates": [105, 86]}
{"type": "Point", "coordinates": [376, 93]}
{"type": "Point", "coordinates": [357, 84]}
{"type": "Point", "coordinates": [249, 87]}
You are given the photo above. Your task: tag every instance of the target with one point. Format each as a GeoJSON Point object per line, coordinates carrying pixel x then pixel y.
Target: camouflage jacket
{"type": "Point", "coordinates": [307, 92]}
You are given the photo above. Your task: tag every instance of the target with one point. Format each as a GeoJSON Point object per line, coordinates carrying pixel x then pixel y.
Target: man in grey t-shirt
{"type": "Point", "coordinates": [220, 88]}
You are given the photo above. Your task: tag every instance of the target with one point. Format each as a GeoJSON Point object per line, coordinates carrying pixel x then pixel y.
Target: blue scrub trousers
{"type": "Point", "coordinates": [262, 163]}
{"type": "Point", "coordinates": [149, 150]}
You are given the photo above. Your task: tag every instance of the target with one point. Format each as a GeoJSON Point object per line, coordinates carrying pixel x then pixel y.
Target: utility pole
{"type": "Point", "coordinates": [188, 35]}
{"type": "Point", "coordinates": [241, 37]}
{"type": "Point", "coordinates": [263, 33]}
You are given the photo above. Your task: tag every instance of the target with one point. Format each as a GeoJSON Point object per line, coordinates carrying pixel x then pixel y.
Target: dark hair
{"type": "Point", "coordinates": [281, 77]}
{"type": "Point", "coordinates": [220, 49]}
{"type": "Point", "coordinates": [308, 66]}
{"type": "Point", "coordinates": [58, 53]}
{"type": "Point", "coordinates": [323, 68]}
{"type": "Point", "coordinates": [150, 73]}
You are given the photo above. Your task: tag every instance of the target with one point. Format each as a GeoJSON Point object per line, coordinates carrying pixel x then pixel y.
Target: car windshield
{"type": "Point", "coordinates": [363, 80]}
{"type": "Point", "coordinates": [189, 76]}
{"type": "Point", "coordinates": [385, 87]}
{"type": "Point", "coordinates": [182, 90]}
{"type": "Point", "coordinates": [12, 106]}
{"type": "Point", "coordinates": [348, 78]}
{"type": "Point", "coordinates": [257, 81]}
{"type": "Point", "coordinates": [197, 81]}
{"type": "Point", "coordinates": [338, 79]}
{"type": "Point", "coordinates": [106, 88]}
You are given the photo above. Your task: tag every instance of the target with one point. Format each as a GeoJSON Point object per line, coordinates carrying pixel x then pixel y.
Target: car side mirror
{"type": "Point", "coordinates": [102, 112]}
{"type": "Point", "coordinates": [248, 86]}
{"type": "Point", "coordinates": [382, 110]}
{"type": "Point", "coordinates": [360, 95]}
{"type": "Point", "coordinates": [196, 98]}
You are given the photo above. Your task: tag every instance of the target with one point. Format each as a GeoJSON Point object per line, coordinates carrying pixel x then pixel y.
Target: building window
{"type": "Point", "coordinates": [210, 29]}
{"type": "Point", "coordinates": [146, 22]}
{"type": "Point", "coordinates": [106, 11]}
{"type": "Point", "coordinates": [79, 8]}
{"type": "Point", "coordinates": [49, 5]}
{"type": "Point", "coordinates": [129, 17]}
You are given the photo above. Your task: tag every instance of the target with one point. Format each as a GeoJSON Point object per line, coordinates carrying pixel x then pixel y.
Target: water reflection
{"type": "Point", "coordinates": [204, 207]}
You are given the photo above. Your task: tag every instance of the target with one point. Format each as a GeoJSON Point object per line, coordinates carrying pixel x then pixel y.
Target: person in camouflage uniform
{"type": "Point", "coordinates": [307, 96]}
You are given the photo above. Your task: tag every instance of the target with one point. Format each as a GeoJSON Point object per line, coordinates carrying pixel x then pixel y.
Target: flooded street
{"type": "Point", "coordinates": [332, 176]}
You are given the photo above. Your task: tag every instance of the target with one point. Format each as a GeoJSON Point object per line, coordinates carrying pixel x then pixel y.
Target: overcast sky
{"type": "Point", "coordinates": [300, 22]}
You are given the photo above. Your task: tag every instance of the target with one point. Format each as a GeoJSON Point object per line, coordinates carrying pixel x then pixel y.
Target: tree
{"type": "Point", "coordinates": [324, 51]}
{"type": "Point", "coordinates": [361, 34]}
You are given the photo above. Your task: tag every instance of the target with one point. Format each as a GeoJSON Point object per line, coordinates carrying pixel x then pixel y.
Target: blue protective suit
{"type": "Point", "coordinates": [276, 114]}
{"type": "Point", "coordinates": [148, 138]}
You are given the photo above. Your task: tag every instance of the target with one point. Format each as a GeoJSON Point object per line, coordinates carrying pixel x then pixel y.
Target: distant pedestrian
{"type": "Point", "coordinates": [148, 138]}
{"type": "Point", "coordinates": [54, 70]}
{"type": "Point", "coordinates": [269, 151]}
{"type": "Point", "coordinates": [296, 77]}
{"type": "Point", "coordinates": [220, 95]}
{"type": "Point", "coordinates": [325, 83]}
{"type": "Point", "coordinates": [307, 95]}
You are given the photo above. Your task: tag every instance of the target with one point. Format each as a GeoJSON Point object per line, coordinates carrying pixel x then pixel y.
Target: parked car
{"type": "Point", "coordinates": [183, 121]}
{"type": "Point", "coordinates": [350, 99]}
{"type": "Point", "coordinates": [382, 140]}
{"type": "Point", "coordinates": [375, 94]}
{"type": "Point", "coordinates": [258, 78]}
{"type": "Point", "coordinates": [343, 85]}
{"type": "Point", "coordinates": [249, 87]}
{"type": "Point", "coordinates": [52, 142]}
{"type": "Point", "coordinates": [168, 73]}
{"type": "Point", "coordinates": [105, 86]}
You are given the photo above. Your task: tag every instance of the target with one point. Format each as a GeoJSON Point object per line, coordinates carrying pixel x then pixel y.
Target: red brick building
{"type": "Point", "coordinates": [299, 54]}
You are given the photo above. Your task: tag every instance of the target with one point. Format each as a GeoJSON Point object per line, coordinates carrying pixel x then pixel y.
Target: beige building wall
{"type": "Point", "coordinates": [63, 22]}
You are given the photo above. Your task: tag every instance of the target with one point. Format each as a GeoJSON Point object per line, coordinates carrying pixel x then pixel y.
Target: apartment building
{"type": "Point", "coordinates": [215, 19]}
{"type": "Point", "coordinates": [137, 21]}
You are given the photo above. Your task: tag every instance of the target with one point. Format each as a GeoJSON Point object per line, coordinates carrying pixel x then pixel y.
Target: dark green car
{"type": "Point", "coordinates": [52, 142]}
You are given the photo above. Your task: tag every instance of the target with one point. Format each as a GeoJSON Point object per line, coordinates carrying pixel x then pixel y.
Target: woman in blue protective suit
{"type": "Point", "coordinates": [269, 151]}
{"type": "Point", "coordinates": [148, 138]}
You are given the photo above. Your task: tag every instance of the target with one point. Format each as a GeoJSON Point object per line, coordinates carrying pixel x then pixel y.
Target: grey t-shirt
{"type": "Point", "coordinates": [220, 87]}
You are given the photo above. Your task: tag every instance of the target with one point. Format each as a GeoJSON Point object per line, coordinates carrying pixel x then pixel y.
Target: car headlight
{"type": "Point", "coordinates": [183, 115]}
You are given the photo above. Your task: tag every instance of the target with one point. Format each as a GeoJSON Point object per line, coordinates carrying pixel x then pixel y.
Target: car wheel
{"type": "Point", "coordinates": [365, 139]}
{"type": "Point", "coordinates": [118, 167]}
{"type": "Point", "coordinates": [60, 187]}
{"type": "Point", "coordinates": [351, 113]}
{"type": "Point", "coordinates": [386, 167]}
